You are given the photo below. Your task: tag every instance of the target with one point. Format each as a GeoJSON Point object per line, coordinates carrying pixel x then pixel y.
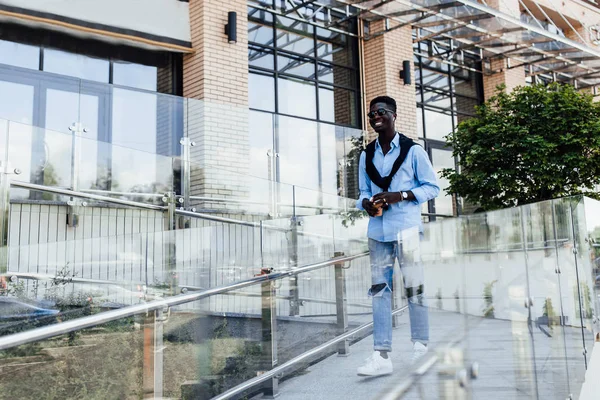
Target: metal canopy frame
{"type": "Point", "coordinates": [459, 26]}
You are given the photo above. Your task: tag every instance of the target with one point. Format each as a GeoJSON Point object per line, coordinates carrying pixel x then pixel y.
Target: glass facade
{"type": "Point", "coordinates": [54, 81]}
{"type": "Point", "coordinates": [446, 95]}
{"type": "Point", "coordinates": [298, 69]}
{"type": "Point", "coordinates": [304, 103]}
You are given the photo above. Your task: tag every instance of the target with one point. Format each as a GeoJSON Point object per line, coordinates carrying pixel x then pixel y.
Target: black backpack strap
{"type": "Point", "coordinates": [385, 182]}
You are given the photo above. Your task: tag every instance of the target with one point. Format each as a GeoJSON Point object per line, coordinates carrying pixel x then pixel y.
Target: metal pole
{"type": "Point", "coordinates": [159, 318]}
{"type": "Point", "coordinates": [269, 336]}
{"type": "Point", "coordinates": [293, 253]}
{"type": "Point", "coordinates": [4, 215]}
{"type": "Point", "coordinates": [170, 243]}
{"type": "Point", "coordinates": [341, 304]}
{"type": "Point", "coordinates": [77, 129]}
{"type": "Point", "coordinates": [186, 145]}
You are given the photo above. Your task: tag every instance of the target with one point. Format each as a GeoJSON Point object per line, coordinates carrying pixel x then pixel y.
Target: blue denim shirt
{"type": "Point", "coordinates": [416, 174]}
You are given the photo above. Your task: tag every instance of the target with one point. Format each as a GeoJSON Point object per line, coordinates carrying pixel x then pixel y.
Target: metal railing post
{"type": "Point", "coordinates": [4, 214]}
{"type": "Point", "coordinates": [186, 170]}
{"type": "Point", "coordinates": [293, 252]}
{"type": "Point", "coordinates": [269, 335]}
{"type": "Point", "coordinates": [153, 354]}
{"type": "Point", "coordinates": [341, 304]}
{"type": "Point", "coordinates": [78, 130]}
{"type": "Point", "coordinates": [170, 243]}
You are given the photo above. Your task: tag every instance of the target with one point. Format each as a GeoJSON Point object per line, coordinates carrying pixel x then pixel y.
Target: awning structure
{"type": "Point", "coordinates": [466, 26]}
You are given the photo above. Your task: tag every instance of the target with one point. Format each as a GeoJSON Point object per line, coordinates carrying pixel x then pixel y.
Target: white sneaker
{"type": "Point", "coordinates": [376, 365]}
{"type": "Point", "coordinates": [419, 350]}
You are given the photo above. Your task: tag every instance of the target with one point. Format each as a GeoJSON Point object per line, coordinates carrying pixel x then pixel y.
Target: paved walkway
{"type": "Point", "coordinates": [503, 349]}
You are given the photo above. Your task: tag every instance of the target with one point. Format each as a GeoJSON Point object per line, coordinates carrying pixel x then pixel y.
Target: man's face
{"type": "Point", "coordinates": [381, 118]}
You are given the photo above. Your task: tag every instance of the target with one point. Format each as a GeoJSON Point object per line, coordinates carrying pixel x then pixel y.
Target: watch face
{"type": "Point", "coordinates": [404, 195]}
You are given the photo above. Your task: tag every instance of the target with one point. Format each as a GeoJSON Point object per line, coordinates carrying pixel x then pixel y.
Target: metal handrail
{"type": "Point", "coordinates": [72, 193]}
{"type": "Point", "coordinates": [62, 328]}
{"type": "Point", "coordinates": [302, 357]}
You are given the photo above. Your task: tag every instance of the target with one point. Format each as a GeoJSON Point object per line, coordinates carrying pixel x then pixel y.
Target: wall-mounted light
{"type": "Point", "coordinates": [231, 27]}
{"type": "Point", "coordinates": [405, 72]}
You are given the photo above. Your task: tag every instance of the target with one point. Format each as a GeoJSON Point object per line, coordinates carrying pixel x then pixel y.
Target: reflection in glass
{"type": "Point", "coordinates": [134, 120]}
{"type": "Point", "coordinates": [19, 55]}
{"type": "Point", "coordinates": [76, 65]}
{"type": "Point", "coordinates": [135, 75]}
{"type": "Point", "coordinates": [261, 92]}
{"type": "Point", "coordinates": [259, 57]}
{"type": "Point", "coordinates": [298, 66]}
{"type": "Point", "coordinates": [16, 102]}
{"type": "Point", "coordinates": [443, 159]}
{"type": "Point", "coordinates": [259, 33]}
{"type": "Point", "coordinates": [295, 36]}
{"type": "Point", "coordinates": [437, 125]}
{"type": "Point", "coordinates": [297, 98]}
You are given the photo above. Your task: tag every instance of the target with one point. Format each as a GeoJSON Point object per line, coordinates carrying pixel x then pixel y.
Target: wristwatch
{"type": "Point", "coordinates": [404, 195]}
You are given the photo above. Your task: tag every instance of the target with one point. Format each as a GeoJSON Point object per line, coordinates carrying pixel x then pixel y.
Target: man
{"type": "Point", "coordinates": [395, 178]}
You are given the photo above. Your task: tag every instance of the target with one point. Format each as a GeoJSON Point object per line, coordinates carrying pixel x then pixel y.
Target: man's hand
{"type": "Point", "coordinates": [369, 207]}
{"type": "Point", "coordinates": [387, 198]}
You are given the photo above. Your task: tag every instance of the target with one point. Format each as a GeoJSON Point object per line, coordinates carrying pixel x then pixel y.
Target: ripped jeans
{"type": "Point", "coordinates": [383, 255]}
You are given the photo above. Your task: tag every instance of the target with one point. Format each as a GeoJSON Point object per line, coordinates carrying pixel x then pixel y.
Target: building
{"type": "Point", "coordinates": [282, 97]}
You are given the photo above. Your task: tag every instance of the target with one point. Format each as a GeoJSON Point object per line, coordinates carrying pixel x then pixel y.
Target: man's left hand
{"type": "Point", "coordinates": [388, 197]}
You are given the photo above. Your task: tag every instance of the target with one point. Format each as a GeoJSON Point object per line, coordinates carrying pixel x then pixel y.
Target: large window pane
{"type": "Point", "coordinates": [76, 65]}
{"type": "Point", "coordinates": [20, 55]}
{"type": "Point", "coordinates": [295, 36]}
{"type": "Point", "coordinates": [337, 105]}
{"type": "Point", "coordinates": [297, 98]}
{"type": "Point", "coordinates": [261, 91]}
{"type": "Point", "coordinates": [435, 79]}
{"type": "Point", "coordinates": [134, 120]}
{"type": "Point", "coordinates": [437, 125]}
{"type": "Point", "coordinates": [258, 33]}
{"type": "Point", "coordinates": [436, 99]}
{"type": "Point", "coordinates": [298, 66]}
{"type": "Point", "coordinates": [260, 57]}
{"type": "Point", "coordinates": [298, 152]}
{"type": "Point", "coordinates": [16, 102]}
{"type": "Point", "coordinates": [135, 75]}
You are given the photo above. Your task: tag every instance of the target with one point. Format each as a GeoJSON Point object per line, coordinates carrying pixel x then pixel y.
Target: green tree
{"type": "Point", "coordinates": [535, 143]}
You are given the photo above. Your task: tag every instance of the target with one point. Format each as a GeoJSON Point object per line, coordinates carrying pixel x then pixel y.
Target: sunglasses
{"type": "Point", "coordinates": [380, 112]}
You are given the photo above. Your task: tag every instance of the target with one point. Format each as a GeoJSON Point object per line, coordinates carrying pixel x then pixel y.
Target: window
{"type": "Point", "coordinates": [446, 95]}
{"type": "Point", "coordinates": [301, 70]}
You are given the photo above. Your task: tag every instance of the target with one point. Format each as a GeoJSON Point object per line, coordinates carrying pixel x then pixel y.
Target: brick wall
{"type": "Point", "coordinates": [215, 76]}
{"type": "Point", "coordinates": [383, 56]}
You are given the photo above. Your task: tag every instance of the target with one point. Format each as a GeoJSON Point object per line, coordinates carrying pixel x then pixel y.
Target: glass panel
{"type": "Point", "coordinates": [435, 99]}
{"type": "Point", "coordinates": [76, 65]}
{"type": "Point", "coordinates": [16, 102]}
{"type": "Point", "coordinates": [337, 105]}
{"type": "Point", "coordinates": [261, 145]}
{"type": "Point", "coordinates": [262, 34]}
{"type": "Point", "coordinates": [134, 119]}
{"type": "Point", "coordinates": [437, 125]}
{"type": "Point", "coordinates": [20, 55]}
{"type": "Point", "coordinates": [444, 203]}
{"type": "Point", "coordinates": [297, 98]}
{"type": "Point", "coordinates": [261, 92]}
{"type": "Point", "coordinates": [550, 336]}
{"type": "Point", "coordinates": [259, 57]}
{"type": "Point", "coordinates": [135, 75]}
{"type": "Point", "coordinates": [295, 36]}
{"type": "Point", "coordinates": [298, 66]}
{"type": "Point", "coordinates": [335, 47]}
{"type": "Point", "coordinates": [298, 152]}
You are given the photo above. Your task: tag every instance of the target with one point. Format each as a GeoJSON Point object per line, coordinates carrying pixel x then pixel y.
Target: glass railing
{"type": "Point", "coordinates": [215, 136]}
{"type": "Point", "coordinates": [71, 161]}
{"type": "Point", "coordinates": [511, 298]}
{"type": "Point", "coordinates": [525, 282]}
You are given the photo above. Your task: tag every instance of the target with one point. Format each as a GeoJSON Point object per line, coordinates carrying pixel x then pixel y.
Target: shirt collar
{"type": "Point", "coordinates": [395, 142]}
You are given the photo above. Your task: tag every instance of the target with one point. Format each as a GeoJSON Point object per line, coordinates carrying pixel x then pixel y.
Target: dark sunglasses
{"type": "Point", "coordinates": [380, 112]}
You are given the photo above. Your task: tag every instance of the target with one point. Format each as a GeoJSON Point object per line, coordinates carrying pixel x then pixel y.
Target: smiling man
{"type": "Point", "coordinates": [395, 178]}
